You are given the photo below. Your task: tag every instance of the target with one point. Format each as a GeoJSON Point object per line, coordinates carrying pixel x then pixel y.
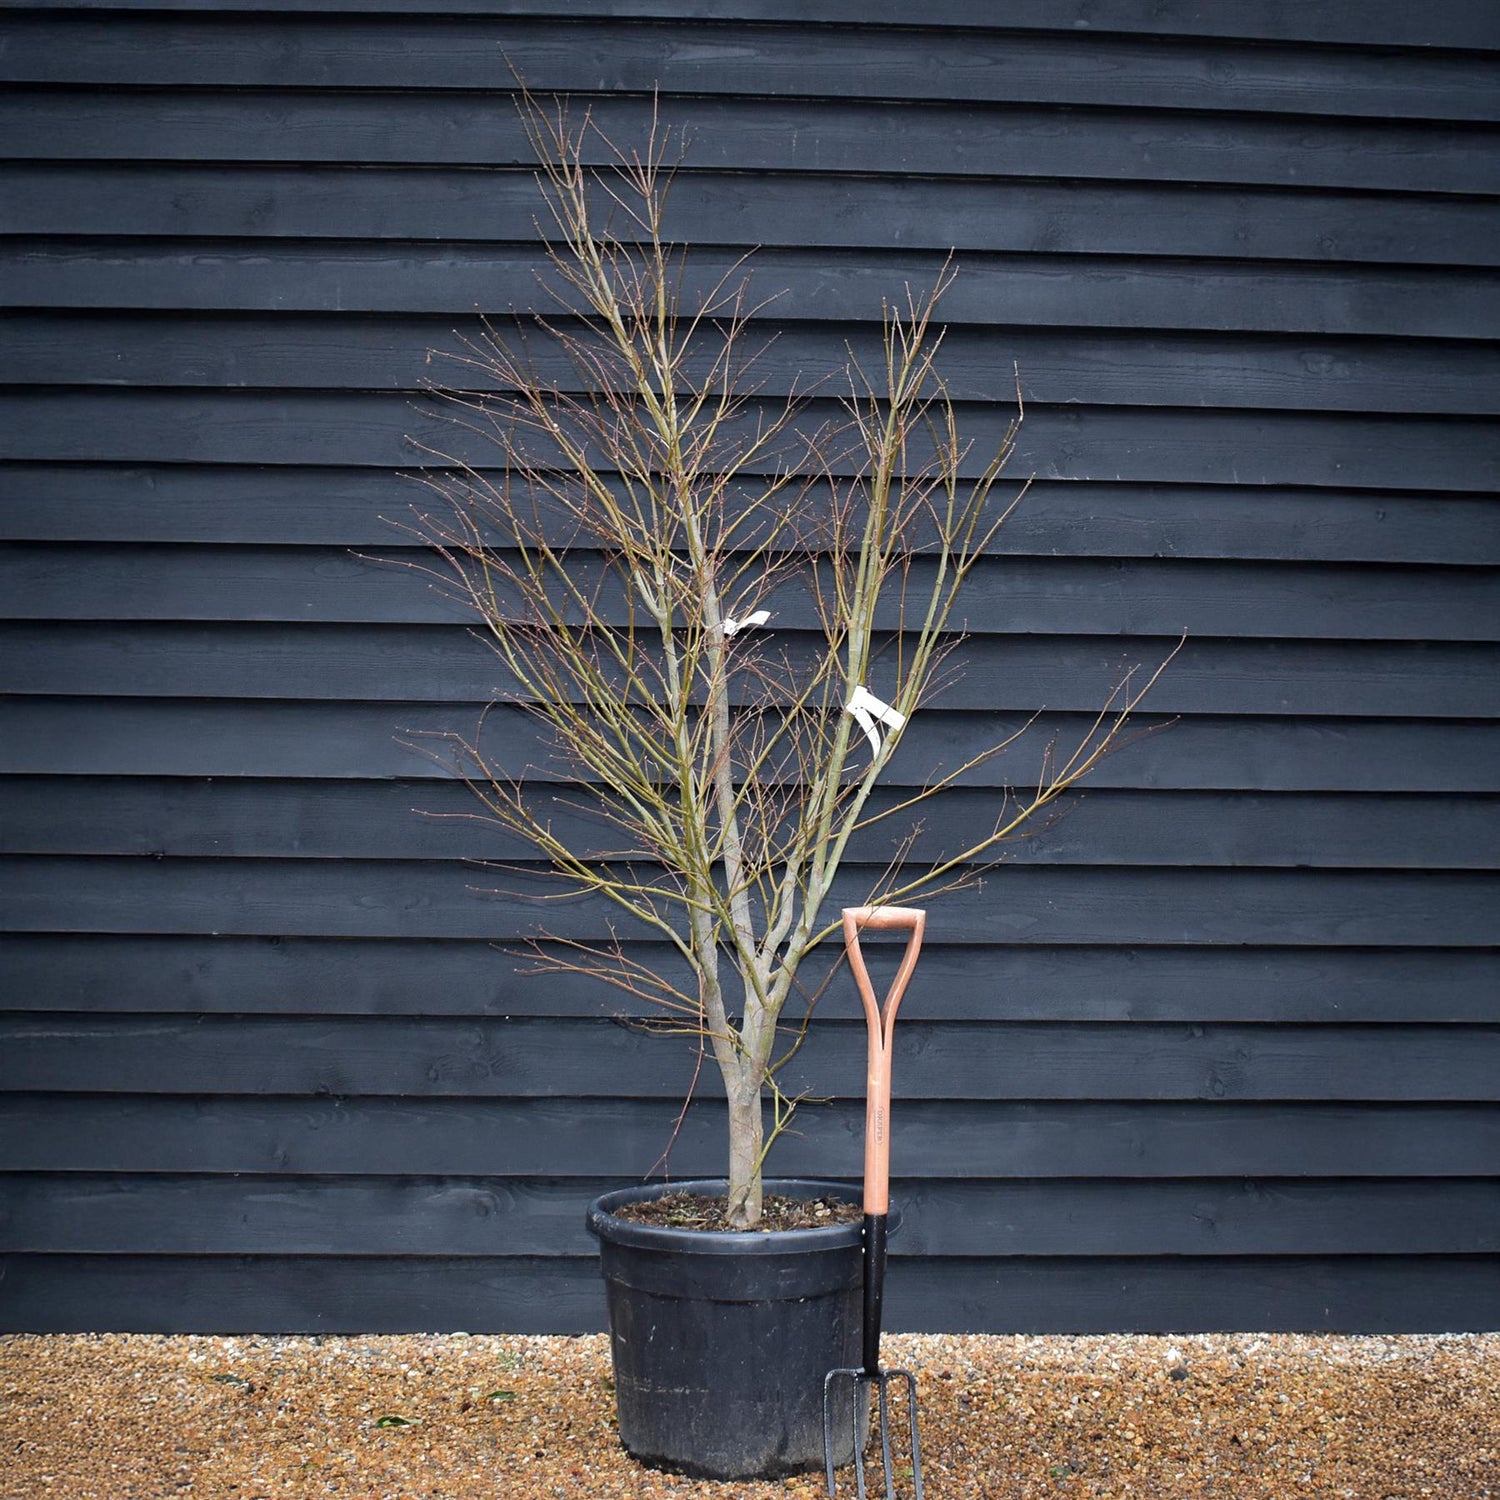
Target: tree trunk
{"type": "Point", "coordinates": [746, 1145]}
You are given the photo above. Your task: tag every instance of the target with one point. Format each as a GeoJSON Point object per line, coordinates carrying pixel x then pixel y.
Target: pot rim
{"type": "Point", "coordinates": [606, 1225]}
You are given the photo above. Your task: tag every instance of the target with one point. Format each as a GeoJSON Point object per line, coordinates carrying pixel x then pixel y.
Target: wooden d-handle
{"type": "Point", "coordinates": [881, 1023]}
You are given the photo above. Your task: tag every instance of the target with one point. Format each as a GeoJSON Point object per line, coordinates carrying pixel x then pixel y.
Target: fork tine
{"type": "Point", "coordinates": [916, 1446]}
{"type": "Point", "coordinates": [883, 1383]}
{"type": "Point", "coordinates": [860, 1381]}
{"type": "Point", "coordinates": [857, 1380]}
{"type": "Point", "coordinates": [911, 1423]}
{"type": "Point", "coordinates": [828, 1380]}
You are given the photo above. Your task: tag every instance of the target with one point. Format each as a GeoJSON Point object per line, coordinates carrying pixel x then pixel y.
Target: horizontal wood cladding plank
{"type": "Point", "coordinates": [517, 1058]}
{"type": "Point", "coordinates": [390, 430]}
{"type": "Point", "coordinates": [1448, 23]}
{"type": "Point", "coordinates": [283, 506]}
{"type": "Point", "coordinates": [733, 134]}
{"type": "Point", "coordinates": [1042, 595]}
{"type": "Point", "coordinates": [319, 353]}
{"type": "Point", "coordinates": [685, 56]}
{"type": "Point", "coordinates": [287, 1294]}
{"type": "Point", "coordinates": [1274, 1294]}
{"type": "Point", "coordinates": [119, 736]}
{"type": "Point", "coordinates": [1050, 291]}
{"type": "Point", "coordinates": [1207, 1217]}
{"type": "Point", "coordinates": [255, 818]}
{"type": "Point", "coordinates": [109, 1214]}
{"type": "Point", "coordinates": [132, 1214]}
{"type": "Point", "coordinates": [1008, 673]}
{"type": "Point", "coordinates": [274, 202]}
{"type": "Point", "coordinates": [554, 1137]}
{"type": "Point", "coordinates": [208, 975]}
{"type": "Point", "coordinates": [453, 899]}
{"type": "Point", "coordinates": [335, 1294]}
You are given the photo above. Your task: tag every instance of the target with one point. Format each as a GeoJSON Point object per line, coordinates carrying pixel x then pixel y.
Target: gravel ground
{"type": "Point", "coordinates": [1003, 1418]}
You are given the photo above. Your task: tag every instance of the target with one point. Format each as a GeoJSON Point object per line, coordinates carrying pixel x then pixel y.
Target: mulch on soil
{"type": "Point", "coordinates": [692, 1211]}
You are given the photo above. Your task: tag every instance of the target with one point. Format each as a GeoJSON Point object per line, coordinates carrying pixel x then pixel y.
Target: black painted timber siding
{"type": "Point", "coordinates": [1219, 1050]}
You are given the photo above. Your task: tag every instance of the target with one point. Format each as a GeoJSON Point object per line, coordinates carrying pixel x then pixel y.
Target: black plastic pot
{"type": "Point", "coordinates": [721, 1340]}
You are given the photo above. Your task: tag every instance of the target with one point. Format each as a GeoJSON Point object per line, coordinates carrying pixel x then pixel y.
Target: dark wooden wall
{"type": "Point", "coordinates": [1220, 1050]}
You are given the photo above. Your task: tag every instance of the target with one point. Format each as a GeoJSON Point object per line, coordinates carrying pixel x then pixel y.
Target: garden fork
{"type": "Point", "coordinates": [881, 1025]}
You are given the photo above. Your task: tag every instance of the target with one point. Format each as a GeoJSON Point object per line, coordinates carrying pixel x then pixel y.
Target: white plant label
{"type": "Point", "coordinates": [733, 627]}
{"type": "Point", "coordinates": [868, 711]}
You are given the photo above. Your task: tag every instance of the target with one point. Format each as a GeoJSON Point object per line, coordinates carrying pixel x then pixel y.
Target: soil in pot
{"type": "Point", "coordinates": [680, 1210]}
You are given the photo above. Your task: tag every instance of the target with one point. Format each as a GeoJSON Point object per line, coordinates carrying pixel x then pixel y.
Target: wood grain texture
{"type": "Point", "coordinates": [391, 430]}
{"type": "Point", "coordinates": [834, 284]}
{"type": "Point", "coordinates": [123, 736]}
{"type": "Point", "coordinates": [428, 128]}
{"type": "Point", "coordinates": [788, 60]}
{"type": "Point", "coordinates": [88, 1213]}
{"type": "Point", "coordinates": [515, 1058]}
{"type": "Point", "coordinates": [621, 1139]}
{"type": "Point", "coordinates": [436, 663]}
{"type": "Point", "coordinates": [397, 584]}
{"type": "Point", "coordinates": [1286, 1294]}
{"type": "Point", "coordinates": [1445, 23]}
{"type": "Point", "coordinates": [127, 974]}
{"type": "Point", "coordinates": [275, 203]}
{"type": "Point", "coordinates": [276, 1294]}
{"type": "Point", "coordinates": [239, 819]}
{"type": "Point", "coordinates": [317, 353]}
{"type": "Point", "coordinates": [448, 899]}
{"type": "Point", "coordinates": [361, 508]}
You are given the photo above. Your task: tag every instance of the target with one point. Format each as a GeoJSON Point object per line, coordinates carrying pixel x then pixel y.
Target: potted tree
{"type": "Point", "coordinates": [722, 614]}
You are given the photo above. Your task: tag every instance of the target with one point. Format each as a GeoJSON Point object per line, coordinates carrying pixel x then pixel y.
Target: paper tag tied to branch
{"type": "Point", "coordinates": [733, 627]}
{"type": "Point", "coordinates": [869, 711]}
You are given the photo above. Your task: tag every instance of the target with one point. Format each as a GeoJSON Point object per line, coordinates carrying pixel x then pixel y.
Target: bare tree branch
{"type": "Point", "coordinates": [628, 519]}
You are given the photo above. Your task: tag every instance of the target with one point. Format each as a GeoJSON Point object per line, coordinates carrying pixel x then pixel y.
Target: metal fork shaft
{"type": "Point", "coordinates": [873, 1241]}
